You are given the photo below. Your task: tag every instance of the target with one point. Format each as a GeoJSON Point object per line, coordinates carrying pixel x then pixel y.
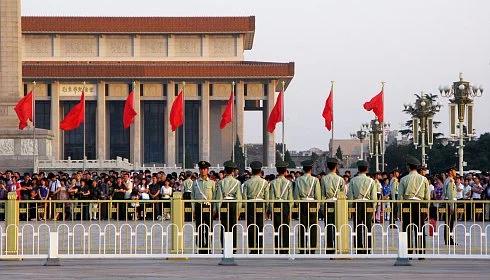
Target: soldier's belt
{"type": "Point", "coordinates": [229, 198]}
{"type": "Point", "coordinates": [277, 210]}
{"type": "Point", "coordinates": [313, 209]}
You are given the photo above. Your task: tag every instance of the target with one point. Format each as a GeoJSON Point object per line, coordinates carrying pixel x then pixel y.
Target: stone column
{"type": "Point", "coordinates": [204, 127]}
{"type": "Point", "coordinates": [205, 45]}
{"type": "Point", "coordinates": [56, 45]}
{"type": "Point", "coordinates": [240, 110]}
{"type": "Point", "coordinates": [10, 62]}
{"type": "Point", "coordinates": [101, 122]}
{"type": "Point", "coordinates": [169, 134]}
{"type": "Point", "coordinates": [269, 144]}
{"type": "Point", "coordinates": [136, 128]}
{"type": "Point", "coordinates": [55, 119]}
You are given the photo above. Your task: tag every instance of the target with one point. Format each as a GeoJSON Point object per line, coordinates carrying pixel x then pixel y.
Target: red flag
{"type": "Point", "coordinates": [328, 111]}
{"type": "Point", "coordinates": [177, 112]}
{"type": "Point", "coordinates": [24, 110]}
{"type": "Point", "coordinates": [227, 115]}
{"type": "Point", "coordinates": [129, 112]}
{"type": "Point", "coordinates": [276, 114]}
{"type": "Point", "coordinates": [376, 104]}
{"type": "Point", "coordinates": [76, 116]}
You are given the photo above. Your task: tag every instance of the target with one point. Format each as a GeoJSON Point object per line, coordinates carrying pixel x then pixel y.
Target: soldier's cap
{"type": "Point", "coordinates": [281, 164]}
{"type": "Point", "coordinates": [362, 163]}
{"type": "Point", "coordinates": [332, 160]}
{"type": "Point", "coordinates": [412, 161]}
{"type": "Point", "coordinates": [203, 164]}
{"type": "Point", "coordinates": [307, 163]}
{"type": "Point", "coordinates": [229, 164]}
{"type": "Point", "coordinates": [256, 165]}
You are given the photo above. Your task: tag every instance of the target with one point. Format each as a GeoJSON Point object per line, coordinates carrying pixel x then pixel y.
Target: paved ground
{"type": "Point", "coordinates": [246, 269]}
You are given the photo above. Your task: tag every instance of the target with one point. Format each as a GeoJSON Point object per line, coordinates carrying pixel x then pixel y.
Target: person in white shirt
{"type": "Point", "coordinates": [477, 191]}
{"type": "Point", "coordinates": [459, 188]}
{"type": "Point", "coordinates": [166, 193]}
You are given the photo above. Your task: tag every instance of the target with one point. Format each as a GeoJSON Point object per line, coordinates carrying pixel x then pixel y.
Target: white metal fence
{"type": "Point", "coordinates": [154, 240]}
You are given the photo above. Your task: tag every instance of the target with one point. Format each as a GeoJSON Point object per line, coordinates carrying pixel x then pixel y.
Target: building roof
{"type": "Point", "coordinates": [157, 70]}
{"type": "Point", "coordinates": [142, 25]}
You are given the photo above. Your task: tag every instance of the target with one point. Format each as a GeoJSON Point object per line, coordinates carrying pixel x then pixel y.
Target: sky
{"type": "Point", "coordinates": [413, 46]}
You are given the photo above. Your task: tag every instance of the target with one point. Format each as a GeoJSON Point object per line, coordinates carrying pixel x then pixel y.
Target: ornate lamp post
{"type": "Point", "coordinates": [376, 141]}
{"type": "Point", "coordinates": [460, 96]}
{"type": "Point", "coordinates": [361, 135]}
{"type": "Point", "coordinates": [422, 121]}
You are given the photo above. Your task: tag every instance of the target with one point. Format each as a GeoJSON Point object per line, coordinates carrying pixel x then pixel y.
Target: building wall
{"type": "Point", "coordinates": [110, 135]}
{"type": "Point", "coordinates": [132, 47]}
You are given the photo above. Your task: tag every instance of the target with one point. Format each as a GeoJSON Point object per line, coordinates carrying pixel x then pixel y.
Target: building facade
{"type": "Point", "coordinates": [156, 57]}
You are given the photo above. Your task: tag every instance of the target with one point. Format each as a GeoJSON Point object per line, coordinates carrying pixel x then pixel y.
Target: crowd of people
{"type": "Point", "coordinates": [144, 185]}
{"type": "Point", "coordinates": [264, 197]}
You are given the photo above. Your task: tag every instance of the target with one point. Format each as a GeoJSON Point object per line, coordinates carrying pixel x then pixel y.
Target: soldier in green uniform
{"type": "Point", "coordinates": [307, 190]}
{"type": "Point", "coordinates": [331, 185]}
{"type": "Point", "coordinates": [394, 184]}
{"type": "Point", "coordinates": [414, 187]}
{"type": "Point", "coordinates": [255, 191]}
{"type": "Point", "coordinates": [229, 192]}
{"type": "Point", "coordinates": [187, 187]}
{"type": "Point", "coordinates": [449, 193]}
{"type": "Point", "coordinates": [281, 193]}
{"type": "Point", "coordinates": [203, 189]}
{"type": "Point", "coordinates": [363, 189]}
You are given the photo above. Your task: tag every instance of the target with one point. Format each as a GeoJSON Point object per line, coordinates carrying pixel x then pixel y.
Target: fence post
{"type": "Point", "coordinates": [402, 259]}
{"type": "Point", "coordinates": [177, 214]}
{"type": "Point", "coordinates": [12, 223]}
{"type": "Point", "coordinates": [53, 257]}
{"type": "Point", "coordinates": [228, 259]}
{"type": "Point", "coordinates": [342, 224]}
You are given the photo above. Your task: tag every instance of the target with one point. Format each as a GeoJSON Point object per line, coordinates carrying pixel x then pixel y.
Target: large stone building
{"type": "Point", "coordinates": [157, 55]}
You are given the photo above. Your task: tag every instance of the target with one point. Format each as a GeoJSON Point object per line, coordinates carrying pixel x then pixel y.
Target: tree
{"type": "Point", "coordinates": [239, 155]}
{"type": "Point", "coordinates": [288, 159]}
{"type": "Point", "coordinates": [338, 154]}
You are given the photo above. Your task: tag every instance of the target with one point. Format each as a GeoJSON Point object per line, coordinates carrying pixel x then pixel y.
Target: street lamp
{"type": "Point", "coordinates": [460, 96]}
{"type": "Point", "coordinates": [375, 129]}
{"type": "Point", "coordinates": [422, 121]}
{"type": "Point", "coordinates": [361, 135]}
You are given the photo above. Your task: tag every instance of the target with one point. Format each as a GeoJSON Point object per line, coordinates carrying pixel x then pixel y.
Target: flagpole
{"type": "Point", "coordinates": [283, 122]}
{"type": "Point", "coordinates": [331, 145]}
{"type": "Point", "coordinates": [233, 122]}
{"type": "Point", "coordinates": [84, 152]}
{"type": "Point", "coordinates": [183, 126]}
{"type": "Point", "coordinates": [34, 128]}
{"type": "Point", "coordinates": [383, 131]}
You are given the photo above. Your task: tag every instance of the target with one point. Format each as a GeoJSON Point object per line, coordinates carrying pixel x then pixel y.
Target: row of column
{"type": "Point", "coordinates": [170, 136]}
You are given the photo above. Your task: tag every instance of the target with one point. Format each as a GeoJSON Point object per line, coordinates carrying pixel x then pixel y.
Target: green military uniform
{"type": "Point", "coordinates": [394, 184]}
{"type": "Point", "coordinates": [229, 192]}
{"type": "Point", "coordinates": [187, 188]}
{"type": "Point", "coordinates": [307, 190]}
{"type": "Point", "coordinates": [281, 194]}
{"type": "Point", "coordinates": [449, 193]}
{"type": "Point", "coordinates": [362, 188]}
{"type": "Point", "coordinates": [203, 189]}
{"type": "Point", "coordinates": [331, 185]}
{"type": "Point", "coordinates": [255, 191]}
{"type": "Point", "coordinates": [414, 187]}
